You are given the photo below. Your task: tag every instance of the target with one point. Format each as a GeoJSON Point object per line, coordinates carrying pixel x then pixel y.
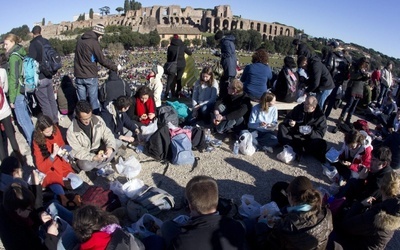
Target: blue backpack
{"type": "Point", "coordinates": [30, 73]}
{"type": "Point", "coordinates": [51, 60]}
{"type": "Point", "coordinates": [181, 150]}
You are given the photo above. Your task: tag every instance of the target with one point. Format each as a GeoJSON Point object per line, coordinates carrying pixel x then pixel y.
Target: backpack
{"type": "Point", "coordinates": [362, 125]}
{"type": "Point", "coordinates": [167, 114]}
{"type": "Point", "coordinates": [104, 199]}
{"type": "Point", "coordinates": [341, 71]}
{"type": "Point", "coordinates": [181, 150]}
{"type": "Point", "coordinates": [155, 200]}
{"type": "Point", "coordinates": [30, 73]}
{"type": "Point", "coordinates": [198, 139]}
{"type": "Point", "coordinates": [51, 60]}
{"type": "Point", "coordinates": [158, 144]}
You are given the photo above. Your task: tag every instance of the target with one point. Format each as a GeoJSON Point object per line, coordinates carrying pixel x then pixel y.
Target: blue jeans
{"type": "Point", "coordinates": [88, 88]}
{"type": "Point", "coordinates": [350, 107]}
{"type": "Point", "coordinates": [23, 117]}
{"type": "Point", "coordinates": [382, 94]}
{"type": "Point", "coordinates": [45, 95]}
{"type": "Point", "coordinates": [321, 97]}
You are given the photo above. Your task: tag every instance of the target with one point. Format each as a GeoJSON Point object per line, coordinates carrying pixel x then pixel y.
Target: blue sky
{"type": "Point", "coordinates": [370, 23]}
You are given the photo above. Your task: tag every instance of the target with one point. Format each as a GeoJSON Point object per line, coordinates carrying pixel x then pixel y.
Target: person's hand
{"type": "Point", "coordinates": [12, 105]}
{"type": "Point", "coordinates": [263, 124]}
{"type": "Point", "coordinates": [53, 228]}
{"type": "Point", "coordinates": [216, 121]}
{"type": "Point", "coordinates": [391, 130]}
{"type": "Point", "coordinates": [143, 117]}
{"type": "Point", "coordinates": [108, 153]}
{"type": "Point", "coordinates": [45, 217]}
{"type": "Point", "coordinates": [368, 201]}
{"type": "Point", "coordinates": [127, 138]}
{"type": "Point", "coordinates": [35, 177]}
{"type": "Point", "coordinates": [292, 123]}
{"type": "Point", "coordinates": [346, 163]}
{"type": "Point", "coordinates": [363, 173]}
{"type": "Point", "coordinates": [98, 158]}
{"type": "Point", "coordinates": [151, 116]}
{"type": "Point", "coordinates": [55, 150]}
{"type": "Point", "coordinates": [119, 67]}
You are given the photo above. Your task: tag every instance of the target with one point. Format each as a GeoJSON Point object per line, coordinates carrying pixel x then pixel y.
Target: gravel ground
{"type": "Point", "coordinates": [236, 174]}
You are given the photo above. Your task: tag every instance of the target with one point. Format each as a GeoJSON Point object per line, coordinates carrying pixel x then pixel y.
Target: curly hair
{"type": "Point", "coordinates": [43, 123]}
{"type": "Point", "coordinates": [89, 219]}
{"type": "Point", "coordinates": [260, 56]}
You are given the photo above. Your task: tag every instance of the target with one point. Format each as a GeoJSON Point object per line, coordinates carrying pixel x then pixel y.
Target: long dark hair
{"type": "Point", "coordinates": [42, 123]}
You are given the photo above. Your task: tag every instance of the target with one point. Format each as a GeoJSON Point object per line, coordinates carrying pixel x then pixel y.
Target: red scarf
{"type": "Point", "coordinates": [98, 241]}
{"type": "Point", "coordinates": [145, 108]}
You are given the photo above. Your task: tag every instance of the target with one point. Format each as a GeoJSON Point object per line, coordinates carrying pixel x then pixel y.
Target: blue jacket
{"type": "Point", "coordinates": [228, 55]}
{"type": "Point", "coordinates": [255, 78]}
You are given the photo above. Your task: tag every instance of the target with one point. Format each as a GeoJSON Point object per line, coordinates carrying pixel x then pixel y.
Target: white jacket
{"type": "Point", "coordinates": [156, 85]}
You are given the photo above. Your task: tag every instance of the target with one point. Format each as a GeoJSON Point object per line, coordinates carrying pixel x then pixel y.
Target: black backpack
{"type": "Point", "coordinates": [158, 144]}
{"type": "Point", "coordinates": [51, 60]}
{"type": "Point", "coordinates": [167, 114]}
{"type": "Point", "coordinates": [198, 139]}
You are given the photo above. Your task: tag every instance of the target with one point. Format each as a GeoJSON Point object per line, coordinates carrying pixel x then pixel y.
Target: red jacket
{"type": "Point", "coordinates": [55, 169]}
{"type": "Point", "coordinates": [98, 241]}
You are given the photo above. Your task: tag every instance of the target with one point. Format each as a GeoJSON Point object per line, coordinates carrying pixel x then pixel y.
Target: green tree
{"type": "Point", "coordinates": [22, 32]}
{"type": "Point", "coordinates": [135, 5]}
{"type": "Point", "coordinates": [91, 12]}
{"type": "Point", "coordinates": [283, 45]}
{"type": "Point", "coordinates": [197, 42]}
{"type": "Point", "coordinates": [187, 42]}
{"type": "Point", "coordinates": [115, 49]}
{"type": "Point", "coordinates": [154, 38]}
{"type": "Point", "coordinates": [269, 46]}
{"type": "Point", "coordinates": [211, 41]}
{"type": "Point", "coordinates": [127, 6]}
{"type": "Point", "coordinates": [119, 9]}
{"type": "Point", "coordinates": [164, 43]}
{"type": "Point", "coordinates": [254, 39]}
{"type": "Point", "coordinates": [43, 21]}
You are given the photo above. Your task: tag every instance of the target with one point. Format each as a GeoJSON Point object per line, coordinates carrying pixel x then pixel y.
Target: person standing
{"type": "Point", "coordinates": [44, 92]}
{"type": "Point", "coordinates": [176, 52]}
{"type": "Point", "coordinates": [87, 54]}
{"type": "Point", "coordinates": [228, 61]}
{"type": "Point", "coordinates": [16, 92]}
{"type": "Point", "coordinates": [386, 81]}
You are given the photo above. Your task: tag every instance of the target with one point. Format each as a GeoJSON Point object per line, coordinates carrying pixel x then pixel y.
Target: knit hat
{"type": "Point", "coordinates": [299, 185]}
{"type": "Point", "coordinates": [98, 29]}
{"type": "Point", "coordinates": [176, 36]}
{"type": "Point", "coordinates": [289, 62]}
{"type": "Point", "coordinates": [334, 44]}
{"type": "Point", "coordinates": [218, 35]}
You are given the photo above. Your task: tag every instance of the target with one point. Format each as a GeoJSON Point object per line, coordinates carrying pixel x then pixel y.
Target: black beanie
{"type": "Point", "coordinates": [219, 35]}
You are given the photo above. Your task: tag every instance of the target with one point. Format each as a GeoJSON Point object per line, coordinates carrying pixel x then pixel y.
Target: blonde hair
{"type": "Point", "coordinates": [265, 100]}
{"type": "Point", "coordinates": [237, 85]}
{"type": "Point", "coordinates": [13, 38]}
{"type": "Point", "coordinates": [390, 184]}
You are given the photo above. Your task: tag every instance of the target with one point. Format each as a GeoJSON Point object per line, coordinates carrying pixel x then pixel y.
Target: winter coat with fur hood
{"type": "Point", "coordinates": [371, 229]}
{"type": "Point", "coordinates": [155, 84]}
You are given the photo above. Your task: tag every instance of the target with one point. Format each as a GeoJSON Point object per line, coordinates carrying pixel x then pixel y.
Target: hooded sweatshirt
{"type": "Point", "coordinates": [156, 85]}
{"type": "Point", "coordinates": [14, 72]}
{"type": "Point", "coordinates": [178, 47]}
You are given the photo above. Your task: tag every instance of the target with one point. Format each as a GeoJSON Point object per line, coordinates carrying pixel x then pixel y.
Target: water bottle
{"type": "Point", "coordinates": [208, 135]}
{"type": "Point", "coordinates": [236, 148]}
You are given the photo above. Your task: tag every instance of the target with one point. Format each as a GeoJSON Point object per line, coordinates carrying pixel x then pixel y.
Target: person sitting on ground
{"type": "Point", "coordinates": [10, 172]}
{"type": "Point", "coordinates": [143, 108]}
{"type": "Point", "coordinates": [367, 183]}
{"type": "Point", "coordinates": [286, 88]}
{"type": "Point", "coordinates": [98, 229]}
{"type": "Point", "coordinates": [256, 75]}
{"type": "Point", "coordinates": [385, 111]}
{"type": "Point", "coordinates": [304, 224]}
{"type": "Point", "coordinates": [232, 112]}
{"type": "Point", "coordinates": [123, 128]}
{"type": "Point", "coordinates": [155, 83]}
{"type": "Point", "coordinates": [393, 143]}
{"type": "Point", "coordinates": [371, 227]}
{"type": "Point", "coordinates": [66, 96]}
{"type": "Point", "coordinates": [304, 129]}
{"type": "Point", "coordinates": [264, 120]}
{"type": "Point", "coordinates": [392, 125]}
{"type": "Point", "coordinates": [114, 87]}
{"type": "Point", "coordinates": [354, 155]}
{"type": "Point", "coordinates": [205, 93]}
{"type": "Point", "coordinates": [206, 228]}
{"type": "Point", "coordinates": [49, 151]}
{"type": "Point", "coordinates": [92, 142]}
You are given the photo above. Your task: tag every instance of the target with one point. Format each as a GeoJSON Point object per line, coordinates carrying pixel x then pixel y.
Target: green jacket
{"type": "Point", "coordinates": [14, 72]}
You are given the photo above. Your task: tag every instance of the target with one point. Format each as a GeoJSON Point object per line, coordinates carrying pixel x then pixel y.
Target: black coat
{"type": "Point", "coordinates": [173, 51]}
{"type": "Point", "coordinates": [210, 232]}
{"type": "Point", "coordinates": [393, 143]}
{"type": "Point", "coordinates": [236, 106]}
{"type": "Point", "coordinates": [319, 77]}
{"type": "Point", "coordinates": [36, 51]}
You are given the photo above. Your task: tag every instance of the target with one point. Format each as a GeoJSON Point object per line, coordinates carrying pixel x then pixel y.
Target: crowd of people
{"type": "Point", "coordinates": [363, 214]}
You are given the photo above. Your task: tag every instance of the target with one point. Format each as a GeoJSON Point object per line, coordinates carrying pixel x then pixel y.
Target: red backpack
{"type": "Point", "coordinates": [104, 199]}
{"type": "Point", "coordinates": [362, 125]}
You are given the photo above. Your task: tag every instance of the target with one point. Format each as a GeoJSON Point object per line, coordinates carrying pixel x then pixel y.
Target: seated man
{"type": "Point", "coordinates": [367, 183]}
{"type": "Point", "coordinates": [206, 229]}
{"type": "Point", "coordinates": [116, 119]}
{"type": "Point", "coordinates": [393, 143]}
{"type": "Point", "coordinates": [92, 142]}
{"type": "Point", "coordinates": [304, 129]}
{"type": "Point", "coordinates": [232, 111]}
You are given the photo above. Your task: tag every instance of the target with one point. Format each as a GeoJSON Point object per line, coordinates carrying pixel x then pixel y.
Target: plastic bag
{"type": "Point", "coordinates": [146, 226]}
{"type": "Point", "coordinates": [287, 155]}
{"type": "Point", "coordinates": [132, 188]}
{"type": "Point", "coordinates": [116, 187]}
{"type": "Point", "coordinates": [330, 172]}
{"type": "Point", "coordinates": [182, 219]}
{"type": "Point", "coordinates": [130, 168]}
{"type": "Point", "coordinates": [270, 213]}
{"type": "Point", "coordinates": [148, 130]}
{"type": "Point", "coordinates": [249, 207]}
{"type": "Point", "coordinates": [246, 144]}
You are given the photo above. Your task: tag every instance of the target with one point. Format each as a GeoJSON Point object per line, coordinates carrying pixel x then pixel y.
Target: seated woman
{"type": "Point", "coordinates": [143, 108]}
{"type": "Point", "coordinates": [304, 224]}
{"type": "Point", "coordinates": [264, 120]}
{"type": "Point", "coordinates": [256, 75]}
{"type": "Point", "coordinates": [286, 87]}
{"type": "Point", "coordinates": [354, 155]}
{"type": "Point", "coordinates": [48, 153]}
{"type": "Point", "coordinates": [98, 229]}
{"type": "Point", "coordinates": [371, 227]}
{"type": "Point", "coordinates": [205, 92]}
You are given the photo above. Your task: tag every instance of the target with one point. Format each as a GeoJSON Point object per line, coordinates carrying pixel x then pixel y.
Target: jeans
{"type": "Point", "coordinates": [382, 94]}
{"type": "Point", "coordinates": [45, 95]}
{"type": "Point", "coordinates": [330, 101]}
{"type": "Point", "coordinates": [10, 134]}
{"type": "Point", "coordinates": [88, 87]}
{"type": "Point", "coordinates": [321, 97]}
{"type": "Point", "coordinates": [349, 108]}
{"type": "Point", "coordinates": [23, 117]}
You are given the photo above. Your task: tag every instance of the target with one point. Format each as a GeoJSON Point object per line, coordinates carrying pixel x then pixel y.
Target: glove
{"type": "Point", "coordinates": [119, 67]}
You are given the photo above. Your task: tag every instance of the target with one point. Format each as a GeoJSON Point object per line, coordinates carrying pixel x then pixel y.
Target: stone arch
{"type": "Point", "coordinates": [233, 25]}
{"type": "Point", "coordinates": [271, 38]}
{"type": "Point", "coordinates": [265, 28]}
{"type": "Point", "coordinates": [225, 24]}
{"type": "Point", "coordinates": [252, 26]}
{"type": "Point", "coordinates": [258, 27]}
{"type": "Point", "coordinates": [264, 37]}
{"type": "Point", "coordinates": [141, 21]}
{"type": "Point", "coordinates": [241, 25]}
{"type": "Point", "coordinates": [165, 20]}
{"type": "Point", "coordinates": [275, 30]}
{"type": "Point", "coordinates": [281, 31]}
{"type": "Point", "coordinates": [176, 19]}
{"type": "Point", "coordinates": [172, 20]}
{"type": "Point", "coordinates": [287, 32]}
{"type": "Point", "coordinates": [217, 23]}
{"type": "Point", "coordinates": [183, 20]}
{"type": "Point", "coordinates": [270, 30]}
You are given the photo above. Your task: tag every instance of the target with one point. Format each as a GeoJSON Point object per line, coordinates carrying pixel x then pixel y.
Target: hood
{"type": "Point", "coordinates": [89, 35]}
{"type": "Point", "coordinates": [389, 216]}
{"type": "Point", "coordinates": [303, 50]}
{"type": "Point", "coordinates": [367, 140]}
{"type": "Point", "coordinates": [229, 37]}
{"type": "Point", "coordinates": [160, 72]}
{"type": "Point", "coordinates": [6, 181]}
{"type": "Point", "coordinates": [113, 75]}
{"type": "Point", "coordinates": [176, 42]}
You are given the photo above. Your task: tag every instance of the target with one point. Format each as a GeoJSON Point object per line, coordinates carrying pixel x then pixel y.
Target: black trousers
{"type": "Point", "coordinates": [10, 134]}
